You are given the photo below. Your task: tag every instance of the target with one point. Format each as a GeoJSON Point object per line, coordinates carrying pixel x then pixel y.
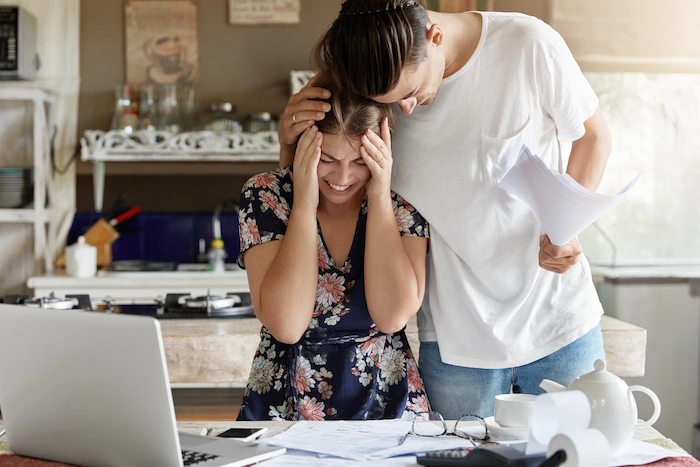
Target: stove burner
{"type": "Point", "coordinates": [70, 302]}
{"type": "Point", "coordinates": [138, 265]}
{"type": "Point", "coordinates": [210, 301]}
{"type": "Point", "coordinates": [212, 305]}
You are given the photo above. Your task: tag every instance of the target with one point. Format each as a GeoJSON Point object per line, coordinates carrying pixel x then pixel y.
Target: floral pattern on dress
{"type": "Point", "coordinates": [343, 367]}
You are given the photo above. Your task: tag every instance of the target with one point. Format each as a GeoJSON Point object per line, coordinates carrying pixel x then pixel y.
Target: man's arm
{"type": "Point", "coordinates": [590, 153]}
{"type": "Point", "coordinates": [589, 156]}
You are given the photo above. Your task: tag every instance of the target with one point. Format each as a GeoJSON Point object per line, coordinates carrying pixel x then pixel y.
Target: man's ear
{"type": "Point", "coordinates": [434, 34]}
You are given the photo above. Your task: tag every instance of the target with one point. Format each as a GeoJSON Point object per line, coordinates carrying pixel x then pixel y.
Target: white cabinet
{"type": "Point", "coordinates": [664, 300]}
{"type": "Point", "coordinates": [40, 215]}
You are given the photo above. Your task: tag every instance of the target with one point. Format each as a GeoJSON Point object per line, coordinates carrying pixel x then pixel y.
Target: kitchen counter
{"type": "Point", "coordinates": [219, 352]}
{"type": "Point", "coordinates": [648, 272]}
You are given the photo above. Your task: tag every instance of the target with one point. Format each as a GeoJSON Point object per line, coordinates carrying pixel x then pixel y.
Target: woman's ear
{"type": "Point", "coordinates": [434, 34]}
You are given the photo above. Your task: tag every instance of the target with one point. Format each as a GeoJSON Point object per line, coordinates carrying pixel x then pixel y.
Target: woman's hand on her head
{"type": "Point", "coordinates": [303, 111]}
{"type": "Point", "coordinates": [376, 153]}
{"type": "Point", "coordinates": [306, 158]}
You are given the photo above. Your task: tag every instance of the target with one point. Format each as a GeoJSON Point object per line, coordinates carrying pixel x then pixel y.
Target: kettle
{"type": "Point", "coordinates": [613, 408]}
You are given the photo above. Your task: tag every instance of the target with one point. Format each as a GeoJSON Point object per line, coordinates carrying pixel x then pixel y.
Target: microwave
{"type": "Point", "coordinates": [18, 56]}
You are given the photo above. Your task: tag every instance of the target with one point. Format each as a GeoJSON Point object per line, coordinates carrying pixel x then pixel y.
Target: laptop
{"type": "Point", "coordinates": [92, 389]}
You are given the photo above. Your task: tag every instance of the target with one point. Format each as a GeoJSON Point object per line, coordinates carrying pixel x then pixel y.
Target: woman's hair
{"type": "Point", "coordinates": [371, 42]}
{"type": "Point", "coordinates": [351, 115]}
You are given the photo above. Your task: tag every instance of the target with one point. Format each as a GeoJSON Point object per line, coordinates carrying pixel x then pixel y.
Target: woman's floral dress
{"type": "Point", "coordinates": [343, 367]}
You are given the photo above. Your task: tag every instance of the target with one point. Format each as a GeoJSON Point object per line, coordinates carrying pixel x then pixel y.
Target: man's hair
{"type": "Point", "coordinates": [351, 115]}
{"type": "Point", "coordinates": [372, 42]}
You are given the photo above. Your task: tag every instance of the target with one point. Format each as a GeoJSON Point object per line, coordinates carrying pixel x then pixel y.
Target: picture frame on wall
{"type": "Point", "coordinates": [248, 12]}
{"type": "Point", "coordinates": [161, 42]}
{"type": "Point", "coordinates": [458, 6]}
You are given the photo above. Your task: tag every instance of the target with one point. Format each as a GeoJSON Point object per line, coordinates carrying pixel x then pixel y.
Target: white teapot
{"type": "Point", "coordinates": [613, 408]}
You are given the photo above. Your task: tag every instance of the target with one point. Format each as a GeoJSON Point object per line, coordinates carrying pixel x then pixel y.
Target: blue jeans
{"type": "Point", "coordinates": [454, 391]}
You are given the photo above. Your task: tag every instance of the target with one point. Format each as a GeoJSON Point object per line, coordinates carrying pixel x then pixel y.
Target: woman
{"type": "Point", "coordinates": [336, 267]}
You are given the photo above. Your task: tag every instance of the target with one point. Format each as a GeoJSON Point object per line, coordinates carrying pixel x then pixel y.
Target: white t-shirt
{"type": "Point", "coordinates": [488, 303]}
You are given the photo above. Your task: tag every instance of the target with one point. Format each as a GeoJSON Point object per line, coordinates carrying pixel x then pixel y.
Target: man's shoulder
{"type": "Point", "coordinates": [525, 29]}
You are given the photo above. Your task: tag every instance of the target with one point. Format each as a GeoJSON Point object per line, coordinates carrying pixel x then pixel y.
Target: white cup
{"type": "Point", "coordinates": [513, 410]}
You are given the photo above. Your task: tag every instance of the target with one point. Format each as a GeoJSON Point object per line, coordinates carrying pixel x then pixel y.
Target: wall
{"type": "Point", "coordinates": [654, 120]}
{"type": "Point", "coordinates": [246, 65]}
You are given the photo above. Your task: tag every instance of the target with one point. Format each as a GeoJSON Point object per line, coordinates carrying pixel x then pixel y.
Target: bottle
{"type": "Point", "coordinates": [217, 256]}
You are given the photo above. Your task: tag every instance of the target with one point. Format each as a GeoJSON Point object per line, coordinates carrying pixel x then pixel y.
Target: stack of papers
{"type": "Point", "coordinates": [387, 442]}
{"type": "Point", "coordinates": [563, 207]}
{"type": "Point", "coordinates": [366, 441]}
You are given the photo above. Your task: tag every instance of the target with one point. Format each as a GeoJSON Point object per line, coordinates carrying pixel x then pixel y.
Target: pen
{"type": "Point", "coordinates": [2, 433]}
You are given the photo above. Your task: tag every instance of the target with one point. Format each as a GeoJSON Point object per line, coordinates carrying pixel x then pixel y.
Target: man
{"type": "Point", "coordinates": [504, 308]}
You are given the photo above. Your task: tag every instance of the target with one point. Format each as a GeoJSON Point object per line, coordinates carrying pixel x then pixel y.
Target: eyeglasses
{"type": "Point", "coordinates": [465, 427]}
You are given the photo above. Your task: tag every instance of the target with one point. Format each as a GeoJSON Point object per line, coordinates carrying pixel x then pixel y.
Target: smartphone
{"type": "Point", "coordinates": [243, 434]}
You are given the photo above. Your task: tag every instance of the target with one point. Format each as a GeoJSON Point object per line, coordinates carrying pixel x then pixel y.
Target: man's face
{"type": "Point", "coordinates": [417, 85]}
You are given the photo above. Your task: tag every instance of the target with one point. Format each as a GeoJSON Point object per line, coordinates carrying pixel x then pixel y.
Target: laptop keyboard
{"type": "Point", "coordinates": [194, 458]}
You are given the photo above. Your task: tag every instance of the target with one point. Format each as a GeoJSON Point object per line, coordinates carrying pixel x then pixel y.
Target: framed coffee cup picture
{"type": "Point", "coordinates": [161, 42]}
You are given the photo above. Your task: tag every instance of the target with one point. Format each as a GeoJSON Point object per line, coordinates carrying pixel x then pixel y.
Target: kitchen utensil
{"type": "Point", "coordinates": [81, 259]}
{"type": "Point", "coordinates": [128, 214]}
{"type": "Point", "coordinates": [613, 408]}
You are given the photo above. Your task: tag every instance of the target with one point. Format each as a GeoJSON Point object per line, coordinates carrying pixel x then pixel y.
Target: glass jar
{"type": "Point", "coordinates": [221, 118]}
{"type": "Point", "coordinates": [261, 121]}
{"type": "Point", "coordinates": [169, 118]}
{"type": "Point", "coordinates": [147, 108]}
{"type": "Point", "coordinates": [125, 115]}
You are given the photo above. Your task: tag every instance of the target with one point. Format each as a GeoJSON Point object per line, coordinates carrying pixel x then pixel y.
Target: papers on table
{"type": "Point", "coordinates": [641, 453]}
{"type": "Point", "coordinates": [563, 207]}
{"type": "Point", "coordinates": [385, 442]}
{"type": "Point", "coordinates": [365, 441]}
{"type": "Point", "coordinates": [307, 459]}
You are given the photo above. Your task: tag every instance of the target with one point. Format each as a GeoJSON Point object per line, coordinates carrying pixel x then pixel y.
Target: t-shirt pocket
{"type": "Point", "coordinates": [498, 155]}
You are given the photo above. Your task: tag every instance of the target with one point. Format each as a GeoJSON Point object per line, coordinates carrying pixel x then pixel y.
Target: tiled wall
{"type": "Point", "coordinates": [655, 122]}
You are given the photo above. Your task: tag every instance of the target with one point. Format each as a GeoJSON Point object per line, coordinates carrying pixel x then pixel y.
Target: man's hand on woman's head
{"type": "Point", "coordinates": [376, 153]}
{"type": "Point", "coordinates": [558, 259]}
{"type": "Point", "coordinates": [303, 110]}
{"type": "Point", "coordinates": [308, 153]}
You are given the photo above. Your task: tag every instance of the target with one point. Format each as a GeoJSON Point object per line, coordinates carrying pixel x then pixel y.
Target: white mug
{"type": "Point", "coordinates": [513, 410]}
{"type": "Point", "coordinates": [81, 259]}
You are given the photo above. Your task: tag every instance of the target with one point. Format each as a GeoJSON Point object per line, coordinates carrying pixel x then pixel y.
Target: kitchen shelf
{"type": "Point", "coordinates": [24, 215]}
{"type": "Point", "coordinates": [41, 214]}
{"type": "Point", "coordinates": [160, 147]}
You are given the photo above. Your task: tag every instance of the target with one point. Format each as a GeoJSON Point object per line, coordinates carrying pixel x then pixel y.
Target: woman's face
{"type": "Point", "coordinates": [342, 174]}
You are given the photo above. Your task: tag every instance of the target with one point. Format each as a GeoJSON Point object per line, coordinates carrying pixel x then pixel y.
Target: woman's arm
{"type": "Point", "coordinates": [394, 266]}
{"type": "Point", "coordinates": [394, 270]}
{"type": "Point", "coordinates": [283, 275]}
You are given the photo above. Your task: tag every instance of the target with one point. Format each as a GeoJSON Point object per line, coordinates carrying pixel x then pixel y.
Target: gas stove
{"type": "Point", "coordinates": [173, 306]}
